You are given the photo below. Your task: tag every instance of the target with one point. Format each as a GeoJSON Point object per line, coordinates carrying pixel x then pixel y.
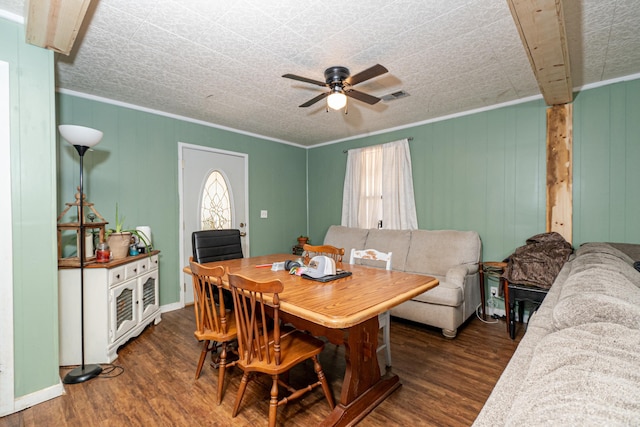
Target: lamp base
{"type": "Point", "coordinates": [82, 374]}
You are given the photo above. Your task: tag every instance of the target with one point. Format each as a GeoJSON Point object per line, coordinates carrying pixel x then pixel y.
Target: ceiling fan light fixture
{"type": "Point", "coordinates": [337, 100]}
{"type": "Point", "coordinates": [337, 79]}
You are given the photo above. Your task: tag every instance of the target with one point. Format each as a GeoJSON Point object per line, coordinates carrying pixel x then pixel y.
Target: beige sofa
{"type": "Point", "coordinates": [448, 255]}
{"type": "Point", "coordinates": [578, 363]}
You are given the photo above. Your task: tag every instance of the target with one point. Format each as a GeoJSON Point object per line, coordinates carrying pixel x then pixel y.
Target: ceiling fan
{"type": "Point", "coordinates": [340, 82]}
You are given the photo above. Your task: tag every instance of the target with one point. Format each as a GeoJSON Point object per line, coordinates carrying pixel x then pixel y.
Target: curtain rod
{"type": "Point", "coordinates": [408, 139]}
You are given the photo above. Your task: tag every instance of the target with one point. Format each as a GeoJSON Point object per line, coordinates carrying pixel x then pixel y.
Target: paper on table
{"type": "Point", "coordinates": [277, 266]}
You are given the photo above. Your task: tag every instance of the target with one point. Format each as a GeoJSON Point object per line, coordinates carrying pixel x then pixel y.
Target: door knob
{"type": "Point", "coordinates": [242, 224]}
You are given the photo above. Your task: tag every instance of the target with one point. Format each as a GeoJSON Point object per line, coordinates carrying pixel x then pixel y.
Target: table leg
{"type": "Point", "coordinates": [483, 298]}
{"type": "Point", "coordinates": [520, 311]}
{"type": "Point", "coordinates": [507, 311]}
{"type": "Point", "coordinates": [512, 318]}
{"type": "Point", "coordinates": [363, 387]}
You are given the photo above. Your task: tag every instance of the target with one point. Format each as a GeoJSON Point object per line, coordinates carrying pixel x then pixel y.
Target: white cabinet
{"type": "Point", "coordinates": [120, 300]}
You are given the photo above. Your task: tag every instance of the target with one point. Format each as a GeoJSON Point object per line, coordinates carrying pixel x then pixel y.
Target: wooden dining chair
{"type": "Point", "coordinates": [267, 348]}
{"type": "Point", "coordinates": [215, 325]}
{"type": "Point", "coordinates": [328, 250]}
{"type": "Point", "coordinates": [375, 257]}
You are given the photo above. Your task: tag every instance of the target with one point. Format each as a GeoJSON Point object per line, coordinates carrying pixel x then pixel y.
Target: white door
{"type": "Point", "coordinates": [198, 163]}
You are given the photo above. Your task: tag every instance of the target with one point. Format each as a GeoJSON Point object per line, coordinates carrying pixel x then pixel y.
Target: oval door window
{"type": "Point", "coordinates": [215, 211]}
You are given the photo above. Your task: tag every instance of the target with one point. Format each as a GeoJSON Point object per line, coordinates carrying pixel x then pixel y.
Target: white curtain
{"type": "Point", "coordinates": [378, 185]}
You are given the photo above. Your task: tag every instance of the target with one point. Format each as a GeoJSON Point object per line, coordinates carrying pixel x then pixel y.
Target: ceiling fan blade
{"type": "Point", "coordinates": [314, 100]}
{"type": "Point", "coordinates": [361, 96]}
{"type": "Point", "coordinates": [367, 74]}
{"type": "Point", "coordinates": [304, 79]}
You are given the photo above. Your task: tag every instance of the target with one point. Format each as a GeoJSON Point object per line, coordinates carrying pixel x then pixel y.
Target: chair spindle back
{"type": "Point", "coordinates": [253, 317]}
{"type": "Point", "coordinates": [207, 283]}
{"type": "Point", "coordinates": [328, 250]}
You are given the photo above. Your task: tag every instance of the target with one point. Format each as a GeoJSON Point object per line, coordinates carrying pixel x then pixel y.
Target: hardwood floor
{"type": "Point", "coordinates": [445, 382]}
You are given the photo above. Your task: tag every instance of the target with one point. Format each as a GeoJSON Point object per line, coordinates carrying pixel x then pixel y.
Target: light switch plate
{"type": "Point", "coordinates": [264, 214]}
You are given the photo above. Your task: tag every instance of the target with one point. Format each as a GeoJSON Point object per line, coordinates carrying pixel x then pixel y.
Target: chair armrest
{"type": "Point", "coordinates": [457, 274]}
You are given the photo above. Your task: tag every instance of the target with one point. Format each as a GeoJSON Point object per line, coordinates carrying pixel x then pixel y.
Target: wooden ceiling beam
{"type": "Point", "coordinates": [542, 30]}
{"type": "Point", "coordinates": [54, 24]}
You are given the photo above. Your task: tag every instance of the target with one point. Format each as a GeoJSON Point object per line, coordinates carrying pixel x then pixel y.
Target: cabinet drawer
{"type": "Point", "coordinates": [153, 262]}
{"type": "Point", "coordinates": [132, 270]}
{"type": "Point", "coordinates": [116, 275]}
{"type": "Point", "coordinates": [144, 265]}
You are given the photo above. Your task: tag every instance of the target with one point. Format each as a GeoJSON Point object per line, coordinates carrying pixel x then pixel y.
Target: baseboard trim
{"type": "Point", "coordinates": [29, 400]}
{"type": "Point", "coordinates": [171, 307]}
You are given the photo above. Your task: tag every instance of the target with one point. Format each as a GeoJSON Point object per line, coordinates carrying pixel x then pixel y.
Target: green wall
{"type": "Point", "coordinates": [483, 172]}
{"type": "Point", "coordinates": [136, 165]}
{"type": "Point", "coordinates": [486, 172]}
{"type": "Point", "coordinates": [34, 211]}
{"type": "Point", "coordinates": [606, 164]}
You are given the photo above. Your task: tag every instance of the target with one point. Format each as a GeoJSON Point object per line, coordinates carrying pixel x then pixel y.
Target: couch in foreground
{"type": "Point", "coordinates": [450, 256]}
{"type": "Point", "coordinates": [578, 363]}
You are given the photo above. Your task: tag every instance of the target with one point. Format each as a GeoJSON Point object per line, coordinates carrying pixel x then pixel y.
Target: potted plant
{"type": "Point", "coordinates": [119, 239]}
{"type": "Point", "coordinates": [302, 240]}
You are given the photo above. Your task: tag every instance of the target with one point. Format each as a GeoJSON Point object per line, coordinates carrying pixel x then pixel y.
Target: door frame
{"type": "Point", "coordinates": [181, 147]}
{"type": "Point", "coordinates": [7, 396]}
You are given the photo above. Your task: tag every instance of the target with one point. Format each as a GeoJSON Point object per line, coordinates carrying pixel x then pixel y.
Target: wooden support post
{"type": "Point", "coordinates": [560, 170]}
{"type": "Point", "coordinates": [55, 24]}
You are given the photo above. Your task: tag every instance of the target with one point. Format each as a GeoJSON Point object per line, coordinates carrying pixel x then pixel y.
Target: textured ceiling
{"type": "Point", "coordinates": [221, 62]}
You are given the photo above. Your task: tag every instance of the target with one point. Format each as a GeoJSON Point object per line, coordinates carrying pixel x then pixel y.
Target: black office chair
{"type": "Point", "coordinates": [217, 245]}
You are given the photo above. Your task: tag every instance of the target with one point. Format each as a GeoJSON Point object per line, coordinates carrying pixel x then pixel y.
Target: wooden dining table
{"type": "Point", "coordinates": [345, 311]}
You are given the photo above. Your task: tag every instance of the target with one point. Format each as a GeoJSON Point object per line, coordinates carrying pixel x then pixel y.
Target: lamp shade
{"type": "Point", "coordinates": [337, 100]}
{"type": "Point", "coordinates": [80, 135]}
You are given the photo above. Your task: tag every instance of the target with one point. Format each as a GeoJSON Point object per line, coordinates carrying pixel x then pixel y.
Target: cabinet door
{"type": "Point", "coordinates": [122, 312]}
{"type": "Point", "coordinates": [148, 299]}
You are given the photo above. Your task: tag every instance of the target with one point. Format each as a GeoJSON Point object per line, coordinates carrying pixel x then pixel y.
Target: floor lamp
{"type": "Point", "coordinates": [82, 138]}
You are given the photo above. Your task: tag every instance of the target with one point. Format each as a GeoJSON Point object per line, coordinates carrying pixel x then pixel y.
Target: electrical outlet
{"type": "Point", "coordinates": [493, 290]}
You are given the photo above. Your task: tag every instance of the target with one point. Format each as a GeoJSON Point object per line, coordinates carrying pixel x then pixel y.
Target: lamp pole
{"type": "Point", "coordinates": [83, 372]}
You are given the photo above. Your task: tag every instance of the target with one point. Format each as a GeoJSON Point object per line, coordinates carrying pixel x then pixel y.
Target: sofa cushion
{"type": "Point", "coordinates": [445, 293]}
{"type": "Point", "coordinates": [606, 262]}
{"type": "Point", "coordinates": [596, 280]}
{"type": "Point", "coordinates": [597, 295]}
{"type": "Point", "coordinates": [346, 237]}
{"type": "Point", "coordinates": [592, 308]}
{"type": "Point", "coordinates": [433, 252]}
{"type": "Point", "coordinates": [394, 241]}
{"type": "Point", "coordinates": [587, 375]}
{"type": "Point", "coordinates": [603, 248]}
{"type": "Point", "coordinates": [630, 249]}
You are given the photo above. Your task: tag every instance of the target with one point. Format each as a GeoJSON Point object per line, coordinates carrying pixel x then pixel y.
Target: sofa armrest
{"type": "Point", "coordinates": [458, 274]}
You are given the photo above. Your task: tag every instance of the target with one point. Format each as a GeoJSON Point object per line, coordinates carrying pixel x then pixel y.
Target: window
{"type": "Point", "coordinates": [215, 210]}
{"type": "Point", "coordinates": [378, 188]}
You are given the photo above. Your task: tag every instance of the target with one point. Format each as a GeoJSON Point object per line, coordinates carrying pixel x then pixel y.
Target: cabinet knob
{"type": "Point", "coordinates": [117, 276]}
{"type": "Point", "coordinates": [135, 270]}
